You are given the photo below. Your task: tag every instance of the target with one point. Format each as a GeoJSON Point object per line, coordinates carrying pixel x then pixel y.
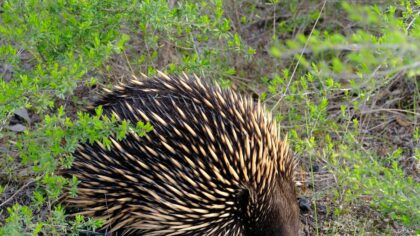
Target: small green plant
{"type": "Point", "coordinates": [48, 148]}
{"type": "Point", "coordinates": [383, 182]}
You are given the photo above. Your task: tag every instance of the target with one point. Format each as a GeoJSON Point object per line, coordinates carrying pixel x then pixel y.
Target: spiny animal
{"type": "Point", "coordinates": [213, 165]}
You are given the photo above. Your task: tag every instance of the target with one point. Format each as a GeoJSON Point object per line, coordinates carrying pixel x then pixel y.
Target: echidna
{"type": "Point", "coordinates": [213, 165]}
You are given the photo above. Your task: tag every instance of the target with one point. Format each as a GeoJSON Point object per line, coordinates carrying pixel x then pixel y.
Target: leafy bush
{"type": "Point", "coordinates": [51, 46]}
{"type": "Point", "coordinates": [337, 80]}
{"type": "Point", "coordinates": [382, 181]}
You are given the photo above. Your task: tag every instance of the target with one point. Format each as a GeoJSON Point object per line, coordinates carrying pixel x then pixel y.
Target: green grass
{"type": "Point", "coordinates": [342, 79]}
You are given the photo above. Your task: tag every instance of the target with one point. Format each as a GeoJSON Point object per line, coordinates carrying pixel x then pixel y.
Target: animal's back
{"type": "Point", "coordinates": [213, 165]}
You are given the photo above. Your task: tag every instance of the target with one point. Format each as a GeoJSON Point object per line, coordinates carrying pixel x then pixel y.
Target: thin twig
{"type": "Point", "coordinates": [300, 56]}
{"type": "Point", "coordinates": [18, 191]}
{"type": "Point", "coordinates": [412, 21]}
{"type": "Point", "coordinates": [353, 47]}
{"type": "Point", "coordinates": [128, 62]}
{"type": "Point", "coordinates": [390, 110]}
{"type": "Point", "coordinates": [374, 75]}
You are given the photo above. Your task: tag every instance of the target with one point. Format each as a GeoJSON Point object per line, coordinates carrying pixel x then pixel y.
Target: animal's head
{"type": "Point", "coordinates": [275, 214]}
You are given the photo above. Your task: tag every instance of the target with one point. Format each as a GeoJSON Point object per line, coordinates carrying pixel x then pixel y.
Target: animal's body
{"type": "Point", "coordinates": [213, 165]}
